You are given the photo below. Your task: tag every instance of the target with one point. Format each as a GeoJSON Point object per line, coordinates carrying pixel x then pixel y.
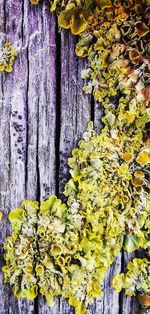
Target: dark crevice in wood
{"type": "Point", "coordinates": [121, 293]}
{"type": "Point", "coordinates": [5, 18]}
{"type": "Point", "coordinates": [103, 298]}
{"type": "Point", "coordinates": [36, 305]}
{"type": "Point", "coordinates": [22, 30]}
{"type": "Point", "coordinates": [26, 111]}
{"type": "Point", "coordinates": [26, 157]}
{"type": "Point", "coordinates": [77, 87]}
{"type": "Point", "coordinates": [9, 172]}
{"type": "Point", "coordinates": [92, 108]}
{"type": "Point", "coordinates": [77, 65]}
{"type": "Point", "coordinates": [37, 159]}
{"type": "Point", "coordinates": [120, 302]}
{"type": "Point", "coordinates": [58, 109]}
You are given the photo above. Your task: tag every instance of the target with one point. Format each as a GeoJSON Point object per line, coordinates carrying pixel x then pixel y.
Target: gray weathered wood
{"type": "Point", "coordinates": [43, 113]}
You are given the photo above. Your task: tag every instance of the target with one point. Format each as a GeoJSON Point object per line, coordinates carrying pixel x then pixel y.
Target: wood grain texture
{"type": "Point", "coordinates": [43, 113]}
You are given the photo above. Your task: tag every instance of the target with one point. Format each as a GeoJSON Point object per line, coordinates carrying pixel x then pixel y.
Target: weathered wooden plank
{"type": "Point", "coordinates": [47, 108]}
{"type": "Point", "coordinates": [47, 127]}
{"type": "Point", "coordinates": [18, 151]}
{"type": "Point", "coordinates": [14, 137]}
{"type": "Point", "coordinates": [4, 170]}
{"type": "Point", "coordinates": [4, 187]}
{"type": "Point", "coordinates": [75, 106]}
{"type": "Point", "coordinates": [75, 112]}
{"type": "Point", "coordinates": [43, 113]}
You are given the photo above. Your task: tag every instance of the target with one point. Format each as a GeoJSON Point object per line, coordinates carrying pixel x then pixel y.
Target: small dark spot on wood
{"type": "Point", "coordinates": [20, 139]}
{"type": "Point", "coordinates": [19, 151]}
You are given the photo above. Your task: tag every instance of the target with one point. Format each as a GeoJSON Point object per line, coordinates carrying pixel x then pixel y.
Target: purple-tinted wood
{"type": "Point", "coordinates": [43, 114]}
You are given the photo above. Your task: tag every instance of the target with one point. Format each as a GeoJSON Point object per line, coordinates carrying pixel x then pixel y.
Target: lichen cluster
{"type": "Point", "coordinates": [7, 57]}
{"type": "Point", "coordinates": [47, 253]}
{"type": "Point", "coordinates": [69, 247]}
{"type": "Point", "coordinates": [117, 49]}
{"type": "Point", "coordinates": [66, 249]}
{"type": "Point", "coordinates": [136, 280]}
{"type": "Point", "coordinates": [74, 15]}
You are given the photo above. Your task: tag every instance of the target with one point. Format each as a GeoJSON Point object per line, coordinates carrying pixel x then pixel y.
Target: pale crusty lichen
{"type": "Point", "coordinates": [7, 57]}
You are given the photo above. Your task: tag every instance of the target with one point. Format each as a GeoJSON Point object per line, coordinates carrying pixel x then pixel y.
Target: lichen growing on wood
{"type": "Point", "coordinates": [118, 47]}
{"type": "Point", "coordinates": [70, 247]}
{"type": "Point", "coordinates": [136, 280]}
{"type": "Point", "coordinates": [21, 249]}
{"type": "Point", "coordinates": [7, 57]}
{"type": "Point", "coordinates": [108, 202]}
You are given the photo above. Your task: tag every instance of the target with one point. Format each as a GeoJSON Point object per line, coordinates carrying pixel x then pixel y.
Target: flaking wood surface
{"type": "Point", "coordinates": [43, 113]}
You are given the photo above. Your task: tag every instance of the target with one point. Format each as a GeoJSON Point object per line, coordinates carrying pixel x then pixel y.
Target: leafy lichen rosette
{"type": "Point", "coordinates": [7, 57]}
{"type": "Point", "coordinates": [21, 250]}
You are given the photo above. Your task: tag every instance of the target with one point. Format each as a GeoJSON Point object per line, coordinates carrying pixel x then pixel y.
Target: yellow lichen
{"type": "Point", "coordinates": [7, 57]}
